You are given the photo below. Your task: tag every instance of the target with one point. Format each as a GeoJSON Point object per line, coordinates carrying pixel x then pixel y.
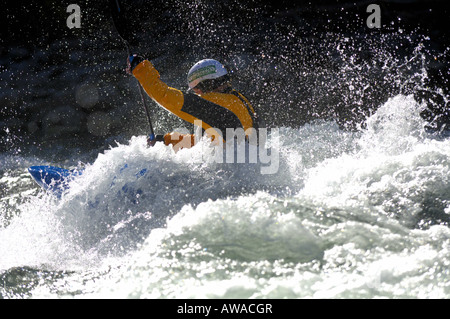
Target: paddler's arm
{"type": "Point", "coordinates": [168, 97]}
{"type": "Point", "coordinates": [177, 140]}
{"type": "Point", "coordinates": [189, 107]}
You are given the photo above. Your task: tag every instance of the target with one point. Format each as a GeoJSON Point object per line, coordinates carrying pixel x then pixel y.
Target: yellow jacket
{"type": "Point", "coordinates": [217, 111]}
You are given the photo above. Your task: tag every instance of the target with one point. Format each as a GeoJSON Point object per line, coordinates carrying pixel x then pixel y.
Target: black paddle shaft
{"type": "Point", "coordinates": [119, 20]}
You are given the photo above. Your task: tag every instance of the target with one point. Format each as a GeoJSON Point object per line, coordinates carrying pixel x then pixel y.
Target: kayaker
{"type": "Point", "coordinates": [214, 102]}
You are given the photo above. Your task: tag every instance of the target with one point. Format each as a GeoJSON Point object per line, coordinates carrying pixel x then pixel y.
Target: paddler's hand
{"type": "Point", "coordinates": [179, 141]}
{"type": "Point", "coordinates": [151, 141]}
{"type": "Point", "coordinates": [132, 61]}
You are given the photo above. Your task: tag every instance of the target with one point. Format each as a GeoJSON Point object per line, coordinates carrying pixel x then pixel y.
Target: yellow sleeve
{"type": "Point", "coordinates": [180, 140]}
{"type": "Point", "coordinates": [169, 98]}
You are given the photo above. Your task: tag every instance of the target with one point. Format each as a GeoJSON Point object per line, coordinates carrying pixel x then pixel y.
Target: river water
{"type": "Point", "coordinates": [360, 214]}
{"type": "Point", "coordinates": [350, 197]}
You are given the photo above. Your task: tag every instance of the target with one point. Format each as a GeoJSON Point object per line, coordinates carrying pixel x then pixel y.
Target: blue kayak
{"type": "Point", "coordinates": [51, 178]}
{"type": "Point", "coordinates": [56, 179]}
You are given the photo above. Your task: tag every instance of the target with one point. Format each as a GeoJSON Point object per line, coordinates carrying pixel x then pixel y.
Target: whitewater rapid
{"type": "Point", "coordinates": [361, 214]}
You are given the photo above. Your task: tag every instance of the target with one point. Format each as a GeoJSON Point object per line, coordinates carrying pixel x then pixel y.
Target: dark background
{"type": "Point", "coordinates": [64, 91]}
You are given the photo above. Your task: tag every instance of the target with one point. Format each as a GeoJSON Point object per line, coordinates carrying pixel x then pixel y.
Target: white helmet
{"type": "Point", "coordinates": [207, 69]}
